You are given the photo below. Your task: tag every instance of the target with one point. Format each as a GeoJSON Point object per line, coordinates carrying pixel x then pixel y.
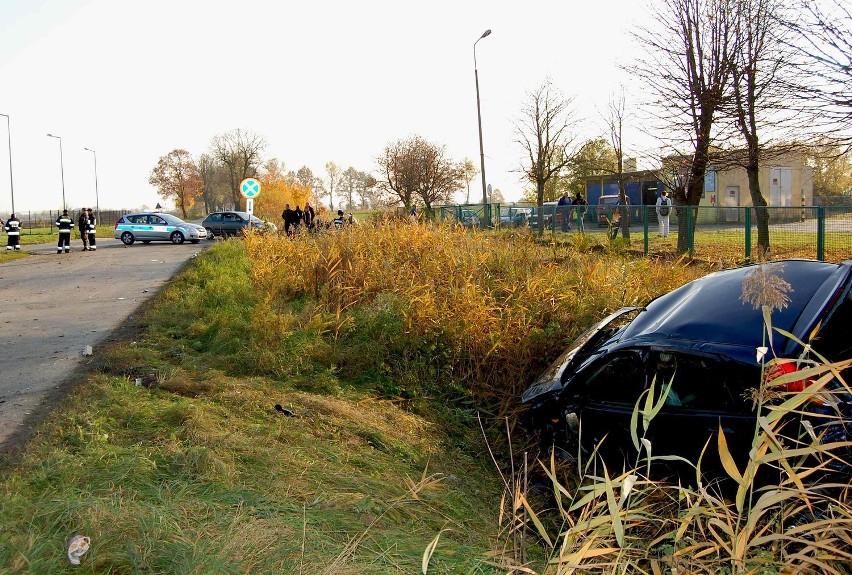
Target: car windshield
{"type": "Point", "coordinates": [588, 341]}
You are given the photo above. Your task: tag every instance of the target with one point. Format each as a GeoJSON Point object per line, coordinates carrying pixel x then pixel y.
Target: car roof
{"type": "Point", "coordinates": [708, 315]}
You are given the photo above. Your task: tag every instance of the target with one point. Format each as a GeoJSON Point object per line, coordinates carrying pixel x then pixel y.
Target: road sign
{"type": "Point", "coordinates": [250, 208]}
{"type": "Point", "coordinates": [250, 188]}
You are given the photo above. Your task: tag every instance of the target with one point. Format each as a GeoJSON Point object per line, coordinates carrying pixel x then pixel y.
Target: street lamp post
{"type": "Point", "coordinates": [11, 180]}
{"type": "Point", "coordinates": [97, 201]}
{"type": "Point", "coordinates": [479, 119]}
{"type": "Point", "coordinates": [61, 168]}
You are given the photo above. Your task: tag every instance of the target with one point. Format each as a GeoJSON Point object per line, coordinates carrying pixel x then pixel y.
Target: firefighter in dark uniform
{"type": "Point", "coordinates": [13, 233]}
{"type": "Point", "coordinates": [91, 224]}
{"type": "Point", "coordinates": [64, 223]}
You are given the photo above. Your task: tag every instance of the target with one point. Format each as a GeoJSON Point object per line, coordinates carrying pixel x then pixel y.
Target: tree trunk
{"type": "Point", "coordinates": [760, 212]}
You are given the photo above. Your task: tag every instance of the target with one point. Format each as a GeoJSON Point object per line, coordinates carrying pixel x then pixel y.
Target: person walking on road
{"type": "Point", "coordinates": [664, 208]}
{"type": "Point", "coordinates": [83, 224]}
{"type": "Point", "coordinates": [91, 226]}
{"type": "Point", "coordinates": [64, 223]}
{"type": "Point", "coordinates": [13, 233]}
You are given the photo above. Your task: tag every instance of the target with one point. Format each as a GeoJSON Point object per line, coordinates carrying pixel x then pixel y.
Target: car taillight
{"type": "Point", "coordinates": [779, 368]}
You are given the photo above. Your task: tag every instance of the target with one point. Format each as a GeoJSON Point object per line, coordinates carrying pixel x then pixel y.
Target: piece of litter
{"type": "Point", "coordinates": [144, 291]}
{"type": "Point", "coordinates": [120, 298]}
{"type": "Point", "coordinates": [153, 260]}
{"type": "Point", "coordinates": [280, 409]}
{"type": "Point", "coordinates": [77, 547]}
{"type": "Point", "coordinates": [87, 351]}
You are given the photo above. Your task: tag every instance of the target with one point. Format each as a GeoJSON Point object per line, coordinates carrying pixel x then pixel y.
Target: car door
{"type": "Point", "coordinates": [159, 228]}
{"type": "Point", "coordinates": [607, 391]}
{"type": "Point", "coordinates": [231, 224]}
{"type": "Point", "coordinates": [142, 227]}
{"type": "Point", "coordinates": [214, 222]}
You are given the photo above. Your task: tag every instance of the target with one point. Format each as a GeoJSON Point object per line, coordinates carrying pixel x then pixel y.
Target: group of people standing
{"type": "Point", "coordinates": [294, 219]}
{"type": "Point", "coordinates": [580, 212]}
{"type": "Point", "coordinates": [87, 224]}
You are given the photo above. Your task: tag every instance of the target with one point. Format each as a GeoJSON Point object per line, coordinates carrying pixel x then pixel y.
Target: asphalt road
{"type": "Point", "coordinates": [54, 305]}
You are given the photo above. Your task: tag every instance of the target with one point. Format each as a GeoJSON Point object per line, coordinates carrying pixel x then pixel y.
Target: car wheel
{"type": "Point", "coordinates": [177, 238]}
{"type": "Point", "coordinates": [194, 241]}
{"type": "Point", "coordinates": [127, 239]}
{"type": "Point", "coordinates": [210, 234]}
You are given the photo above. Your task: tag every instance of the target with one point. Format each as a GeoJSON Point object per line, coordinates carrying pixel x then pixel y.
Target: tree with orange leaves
{"type": "Point", "coordinates": [277, 190]}
{"type": "Point", "coordinates": [176, 177]}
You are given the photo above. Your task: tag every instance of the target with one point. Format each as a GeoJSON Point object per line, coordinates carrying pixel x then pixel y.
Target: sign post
{"type": "Point", "coordinates": [250, 189]}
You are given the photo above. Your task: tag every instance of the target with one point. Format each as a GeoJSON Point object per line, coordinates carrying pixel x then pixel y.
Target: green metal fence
{"type": "Point", "coordinates": [713, 232]}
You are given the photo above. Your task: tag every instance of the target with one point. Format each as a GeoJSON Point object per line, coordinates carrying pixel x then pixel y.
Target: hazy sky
{"type": "Point", "coordinates": [320, 80]}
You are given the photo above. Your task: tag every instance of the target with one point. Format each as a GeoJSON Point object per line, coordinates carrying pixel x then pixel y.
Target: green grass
{"type": "Point", "coordinates": [195, 471]}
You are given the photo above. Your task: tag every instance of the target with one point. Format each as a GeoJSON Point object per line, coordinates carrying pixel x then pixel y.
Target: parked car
{"type": "Point", "coordinates": [549, 211]}
{"type": "Point", "coordinates": [606, 206]}
{"type": "Point", "coordinates": [469, 219]}
{"type": "Point", "coordinates": [703, 340]}
{"type": "Point", "coordinates": [150, 227]}
{"type": "Point", "coordinates": [232, 224]}
{"type": "Point", "coordinates": [514, 216]}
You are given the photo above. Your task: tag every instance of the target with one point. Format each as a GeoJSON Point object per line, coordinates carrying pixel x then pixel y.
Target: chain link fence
{"type": "Point", "coordinates": [45, 221]}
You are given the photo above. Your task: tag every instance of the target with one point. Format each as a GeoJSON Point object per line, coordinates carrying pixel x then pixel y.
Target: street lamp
{"type": "Point", "coordinates": [479, 118]}
{"type": "Point", "coordinates": [11, 181]}
{"type": "Point", "coordinates": [61, 167]}
{"type": "Point", "coordinates": [97, 201]}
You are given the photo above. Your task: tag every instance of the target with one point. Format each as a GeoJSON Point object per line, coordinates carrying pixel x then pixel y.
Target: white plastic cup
{"type": "Point", "coordinates": [138, 382]}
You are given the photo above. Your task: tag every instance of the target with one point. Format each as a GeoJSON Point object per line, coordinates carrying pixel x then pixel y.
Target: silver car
{"type": "Point", "coordinates": [157, 227]}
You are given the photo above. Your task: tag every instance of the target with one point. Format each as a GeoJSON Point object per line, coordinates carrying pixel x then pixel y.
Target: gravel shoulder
{"type": "Point", "coordinates": [54, 305]}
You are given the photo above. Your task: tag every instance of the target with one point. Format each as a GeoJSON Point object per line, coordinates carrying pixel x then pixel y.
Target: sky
{"type": "Point", "coordinates": [326, 80]}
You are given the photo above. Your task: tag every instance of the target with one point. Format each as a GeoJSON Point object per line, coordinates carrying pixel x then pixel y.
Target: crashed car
{"type": "Point", "coordinates": [701, 342]}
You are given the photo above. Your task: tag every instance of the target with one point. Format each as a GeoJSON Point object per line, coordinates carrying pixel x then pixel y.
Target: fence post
{"type": "Point", "coordinates": [748, 233]}
{"type": "Point", "coordinates": [645, 227]}
{"type": "Point", "coordinates": [821, 233]}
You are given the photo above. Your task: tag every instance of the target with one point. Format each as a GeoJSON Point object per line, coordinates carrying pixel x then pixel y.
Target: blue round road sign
{"type": "Point", "coordinates": [250, 188]}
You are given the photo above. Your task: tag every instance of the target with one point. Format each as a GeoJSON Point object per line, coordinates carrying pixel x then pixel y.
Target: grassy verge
{"type": "Point", "coordinates": [384, 348]}
{"type": "Point", "coordinates": [196, 471]}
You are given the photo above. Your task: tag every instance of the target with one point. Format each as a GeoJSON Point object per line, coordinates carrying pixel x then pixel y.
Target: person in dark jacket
{"type": "Point", "coordinates": [13, 233]}
{"type": "Point", "coordinates": [82, 225]}
{"type": "Point", "coordinates": [287, 216]}
{"type": "Point", "coordinates": [298, 217]}
{"type": "Point", "coordinates": [64, 223]}
{"type": "Point", "coordinates": [309, 216]}
{"type": "Point", "coordinates": [91, 225]}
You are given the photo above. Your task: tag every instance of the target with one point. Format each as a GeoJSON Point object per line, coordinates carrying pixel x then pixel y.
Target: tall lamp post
{"type": "Point", "coordinates": [479, 119]}
{"type": "Point", "coordinates": [61, 168]}
{"type": "Point", "coordinates": [97, 201]}
{"type": "Point", "coordinates": [11, 181]}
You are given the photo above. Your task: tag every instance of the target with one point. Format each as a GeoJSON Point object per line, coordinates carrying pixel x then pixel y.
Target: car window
{"type": "Point", "coordinates": [216, 217]}
{"type": "Point", "coordinates": [156, 221]}
{"type": "Point", "coordinates": [619, 380]}
{"type": "Point", "coordinates": [699, 383]}
{"type": "Point", "coordinates": [231, 218]}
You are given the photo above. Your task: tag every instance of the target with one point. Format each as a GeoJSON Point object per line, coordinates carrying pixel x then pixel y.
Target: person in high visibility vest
{"type": "Point", "coordinates": [91, 224]}
{"type": "Point", "coordinates": [13, 233]}
{"type": "Point", "coordinates": [64, 223]}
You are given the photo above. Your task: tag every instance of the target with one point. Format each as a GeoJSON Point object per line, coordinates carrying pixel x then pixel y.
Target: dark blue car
{"type": "Point", "coordinates": [704, 341]}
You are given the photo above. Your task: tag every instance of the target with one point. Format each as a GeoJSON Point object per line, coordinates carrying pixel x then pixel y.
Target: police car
{"type": "Point", "coordinates": [157, 227]}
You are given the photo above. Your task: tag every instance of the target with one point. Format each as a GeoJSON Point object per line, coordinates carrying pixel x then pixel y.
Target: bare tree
{"type": "Point", "coordinates": [687, 70]}
{"type": "Point", "coordinates": [544, 132]}
{"type": "Point", "coordinates": [417, 169]}
{"type": "Point", "coordinates": [469, 172]}
{"type": "Point", "coordinates": [214, 182]}
{"type": "Point", "coordinates": [822, 36]}
{"type": "Point", "coordinates": [334, 178]}
{"type": "Point", "coordinates": [240, 152]}
{"type": "Point", "coordinates": [615, 122]}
